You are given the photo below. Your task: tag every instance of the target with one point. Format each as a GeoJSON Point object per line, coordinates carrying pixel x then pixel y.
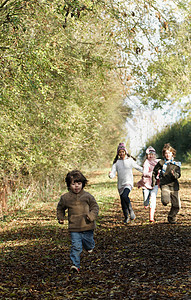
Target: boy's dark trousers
{"type": "Point", "coordinates": [168, 194]}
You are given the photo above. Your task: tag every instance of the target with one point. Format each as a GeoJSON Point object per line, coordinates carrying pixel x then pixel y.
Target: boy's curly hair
{"type": "Point", "coordinates": [170, 148]}
{"type": "Point", "coordinates": [75, 176]}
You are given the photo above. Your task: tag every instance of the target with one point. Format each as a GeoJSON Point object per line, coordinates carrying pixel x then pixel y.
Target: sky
{"type": "Point", "coordinates": [147, 122]}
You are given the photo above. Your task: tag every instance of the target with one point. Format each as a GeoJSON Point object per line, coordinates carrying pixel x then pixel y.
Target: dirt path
{"type": "Point", "coordinates": [134, 261]}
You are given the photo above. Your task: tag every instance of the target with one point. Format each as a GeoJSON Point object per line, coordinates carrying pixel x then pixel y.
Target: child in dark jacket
{"type": "Point", "coordinates": [169, 172]}
{"type": "Point", "coordinates": [82, 212]}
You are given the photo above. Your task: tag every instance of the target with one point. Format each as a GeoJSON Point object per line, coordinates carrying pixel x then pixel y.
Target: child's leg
{"type": "Point", "coordinates": [125, 202]}
{"type": "Point", "coordinates": [175, 206]}
{"type": "Point", "coordinates": [88, 240]}
{"type": "Point", "coordinates": [132, 214]}
{"type": "Point", "coordinates": [165, 194]}
{"type": "Point", "coordinates": [146, 196]}
{"type": "Point", "coordinates": [76, 248]}
{"type": "Point", "coordinates": [153, 196]}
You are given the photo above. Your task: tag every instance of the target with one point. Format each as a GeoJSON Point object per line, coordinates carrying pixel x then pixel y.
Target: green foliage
{"type": "Point", "coordinates": [167, 76]}
{"type": "Point", "coordinates": [63, 65]}
{"type": "Point", "coordinates": [178, 135]}
{"type": "Point", "coordinates": [60, 97]}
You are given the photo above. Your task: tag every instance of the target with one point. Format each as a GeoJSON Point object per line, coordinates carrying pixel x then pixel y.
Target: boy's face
{"type": "Point", "coordinates": [168, 155]}
{"type": "Point", "coordinates": [76, 187]}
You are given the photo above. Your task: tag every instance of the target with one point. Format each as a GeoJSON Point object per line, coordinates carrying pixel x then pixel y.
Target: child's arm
{"type": "Point", "coordinates": [137, 167]}
{"type": "Point", "coordinates": [176, 173]}
{"type": "Point", "coordinates": [146, 170]}
{"type": "Point", "coordinates": [155, 173]}
{"type": "Point", "coordinates": [112, 173]}
{"type": "Point", "coordinates": [61, 211]}
{"type": "Point", "coordinates": [93, 209]}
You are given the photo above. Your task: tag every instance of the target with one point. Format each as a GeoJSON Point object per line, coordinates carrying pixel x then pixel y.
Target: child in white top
{"type": "Point", "coordinates": [149, 192]}
{"type": "Point", "coordinates": [123, 165]}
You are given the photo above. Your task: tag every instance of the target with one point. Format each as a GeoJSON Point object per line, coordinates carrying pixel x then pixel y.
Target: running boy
{"type": "Point", "coordinates": [82, 212]}
{"type": "Point", "coordinates": [169, 172]}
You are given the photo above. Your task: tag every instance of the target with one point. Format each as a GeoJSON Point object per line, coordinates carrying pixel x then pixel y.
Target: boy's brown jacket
{"type": "Point", "coordinates": [167, 178]}
{"type": "Point", "coordinates": [80, 206]}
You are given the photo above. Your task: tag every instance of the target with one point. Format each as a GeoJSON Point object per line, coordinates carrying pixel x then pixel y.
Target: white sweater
{"type": "Point", "coordinates": [124, 167]}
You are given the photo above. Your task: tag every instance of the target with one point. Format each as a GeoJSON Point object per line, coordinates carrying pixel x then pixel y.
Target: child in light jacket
{"type": "Point", "coordinates": [149, 192]}
{"type": "Point", "coordinates": [123, 165]}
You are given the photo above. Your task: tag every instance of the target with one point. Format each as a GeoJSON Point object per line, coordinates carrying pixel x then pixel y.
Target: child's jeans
{"type": "Point", "coordinates": [79, 240]}
{"type": "Point", "coordinates": [149, 197]}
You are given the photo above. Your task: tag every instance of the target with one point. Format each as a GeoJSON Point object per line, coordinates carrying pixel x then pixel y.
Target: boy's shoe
{"type": "Point", "coordinates": [147, 206]}
{"type": "Point", "coordinates": [171, 220]}
{"type": "Point", "coordinates": [74, 269]}
{"type": "Point", "coordinates": [90, 251]}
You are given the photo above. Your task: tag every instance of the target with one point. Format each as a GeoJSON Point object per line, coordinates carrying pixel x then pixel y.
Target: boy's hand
{"type": "Point", "coordinates": [88, 219]}
{"type": "Point", "coordinates": [61, 221]}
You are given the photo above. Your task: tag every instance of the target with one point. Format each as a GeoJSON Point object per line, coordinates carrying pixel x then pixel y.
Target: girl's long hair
{"type": "Point", "coordinates": [117, 157]}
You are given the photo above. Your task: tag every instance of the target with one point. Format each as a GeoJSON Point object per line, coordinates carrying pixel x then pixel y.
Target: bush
{"type": "Point", "coordinates": [178, 135]}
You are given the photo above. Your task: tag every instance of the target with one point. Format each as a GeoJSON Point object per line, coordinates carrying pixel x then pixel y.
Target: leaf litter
{"type": "Point", "coordinates": [134, 261]}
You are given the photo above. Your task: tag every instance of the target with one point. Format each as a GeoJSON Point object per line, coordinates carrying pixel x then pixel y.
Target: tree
{"type": "Point", "coordinates": [178, 135]}
{"type": "Point", "coordinates": [167, 76]}
{"type": "Point", "coordinates": [66, 67]}
{"type": "Point", "coordinates": [56, 92]}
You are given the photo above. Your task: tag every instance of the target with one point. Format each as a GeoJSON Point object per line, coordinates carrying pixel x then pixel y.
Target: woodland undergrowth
{"type": "Point", "coordinates": [135, 261]}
